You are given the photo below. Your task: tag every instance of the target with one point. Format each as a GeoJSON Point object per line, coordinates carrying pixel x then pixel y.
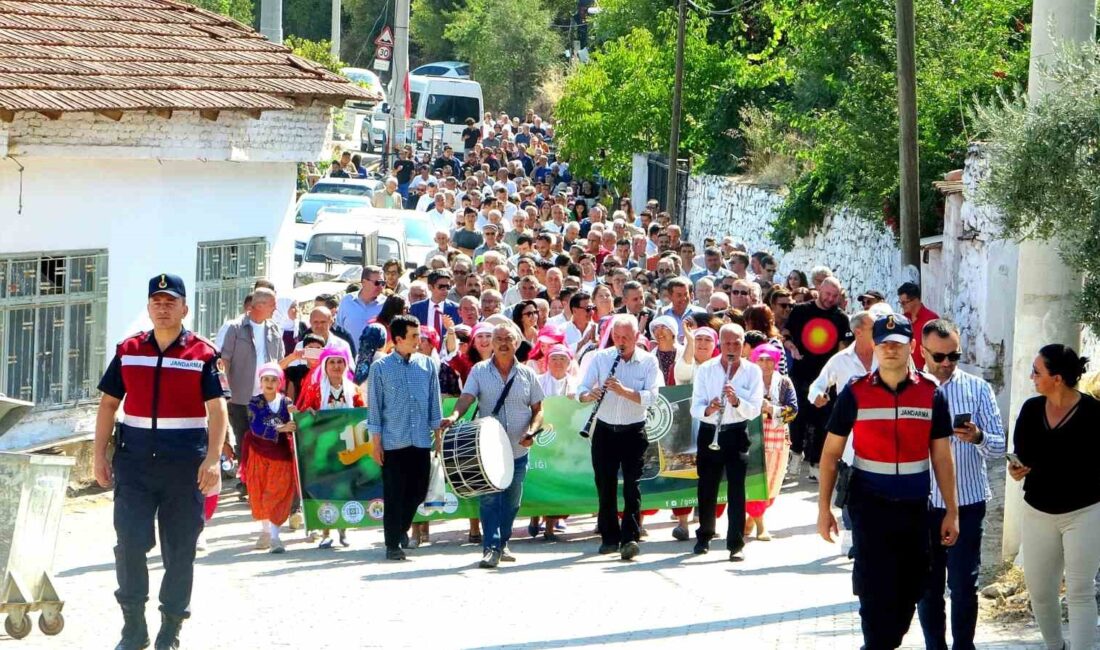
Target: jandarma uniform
{"type": "Point", "coordinates": [888, 494]}
{"type": "Point", "coordinates": [161, 442]}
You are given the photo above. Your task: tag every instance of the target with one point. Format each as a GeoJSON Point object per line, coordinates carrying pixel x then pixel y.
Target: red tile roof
{"type": "Point", "coordinates": [127, 55]}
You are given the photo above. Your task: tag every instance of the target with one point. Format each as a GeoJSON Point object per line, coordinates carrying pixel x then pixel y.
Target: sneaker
{"type": "Point", "coordinates": [277, 547]}
{"type": "Point", "coordinates": [680, 534]}
{"type": "Point", "coordinates": [263, 542]}
{"type": "Point", "coordinates": [560, 526]}
{"type": "Point", "coordinates": [629, 550]}
{"type": "Point", "coordinates": [813, 473]}
{"type": "Point", "coordinates": [794, 465]}
{"type": "Point", "coordinates": [737, 556]}
{"type": "Point", "coordinates": [490, 560]}
{"type": "Point", "coordinates": [506, 555]}
{"type": "Point", "coordinates": [395, 554]}
{"type": "Point", "coordinates": [701, 548]}
{"type": "Point", "coordinates": [608, 549]}
{"type": "Point", "coordinates": [414, 542]}
{"type": "Point", "coordinates": [325, 544]}
{"type": "Point", "coordinates": [200, 543]}
{"type": "Point", "coordinates": [550, 536]}
{"type": "Point", "coordinates": [296, 521]}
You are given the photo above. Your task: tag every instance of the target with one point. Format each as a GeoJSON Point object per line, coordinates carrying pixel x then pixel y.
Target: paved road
{"type": "Point", "coordinates": [793, 592]}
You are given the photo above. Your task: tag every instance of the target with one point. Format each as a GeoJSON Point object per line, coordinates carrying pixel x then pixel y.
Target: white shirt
{"type": "Point", "coordinates": [424, 203]}
{"type": "Point", "coordinates": [573, 335]}
{"type": "Point", "coordinates": [259, 341]}
{"type": "Point", "coordinates": [417, 181]}
{"type": "Point", "coordinates": [839, 370]}
{"type": "Point", "coordinates": [507, 214]}
{"type": "Point", "coordinates": [564, 387]}
{"type": "Point", "coordinates": [559, 320]}
{"type": "Point", "coordinates": [641, 373]}
{"type": "Point", "coordinates": [550, 226]}
{"type": "Point", "coordinates": [710, 381]}
{"type": "Point", "coordinates": [433, 308]}
{"type": "Point", "coordinates": [442, 220]}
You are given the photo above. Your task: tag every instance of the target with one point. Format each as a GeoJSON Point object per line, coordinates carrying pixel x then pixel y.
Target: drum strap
{"type": "Point", "coordinates": [503, 395]}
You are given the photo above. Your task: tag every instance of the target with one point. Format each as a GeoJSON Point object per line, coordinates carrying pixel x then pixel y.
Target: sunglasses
{"type": "Point", "coordinates": [782, 305]}
{"type": "Point", "coordinates": [443, 286]}
{"type": "Point", "coordinates": [530, 313]}
{"type": "Point", "coordinates": [740, 292]}
{"type": "Point", "coordinates": [939, 357]}
{"type": "Point", "coordinates": [379, 283]}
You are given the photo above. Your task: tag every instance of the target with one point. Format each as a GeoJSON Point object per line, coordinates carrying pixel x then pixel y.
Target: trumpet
{"type": "Point", "coordinates": [714, 446]}
{"type": "Point", "coordinates": [592, 418]}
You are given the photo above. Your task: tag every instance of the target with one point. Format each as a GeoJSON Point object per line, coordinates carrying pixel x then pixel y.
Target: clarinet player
{"type": "Point", "coordinates": [727, 393]}
{"type": "Point", "coordinates": [619, 439]}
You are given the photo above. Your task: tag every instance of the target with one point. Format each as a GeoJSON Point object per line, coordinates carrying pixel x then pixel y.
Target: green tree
{"type": "Point", "coordinates": [320, 52]}
{"type": "Point", "coordinates": [240, 10]}
{"type": "Point", "coordinates": [427, 25]}
{"type": "Point", "coordinates": [508, 46]}
{"type": "Point", "coordinates": [1045, 168]}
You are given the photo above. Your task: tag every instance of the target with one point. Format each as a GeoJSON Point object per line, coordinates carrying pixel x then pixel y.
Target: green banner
{"type": "Point", "coordinates": [342, 485]}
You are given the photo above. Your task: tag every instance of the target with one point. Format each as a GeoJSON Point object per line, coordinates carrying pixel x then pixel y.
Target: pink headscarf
{"type": "Point", "coordinates": [326, 354]}
{"type": "Point", "coordinates": [766, 349]}
{"type": "Point", "coordinates": [273, 369]}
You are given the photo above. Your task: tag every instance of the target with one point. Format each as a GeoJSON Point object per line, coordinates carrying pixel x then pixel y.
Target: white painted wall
{"type": "Point", "coordinates": [148, 215]}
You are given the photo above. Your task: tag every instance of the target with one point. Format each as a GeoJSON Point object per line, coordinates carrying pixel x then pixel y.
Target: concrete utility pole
{"type": "Point", "coordinates": [337, 8]}
{"type": "Point", "coordinates": [677, 92]}
{"type": "Point", "coordinates": [909, 179]}
{"type": "Point", "coordinates": [400, 64]}
{"type": "Point", "coordinates": [271, 20]}
{"type": "Point", "coordinates": [1045, 286]}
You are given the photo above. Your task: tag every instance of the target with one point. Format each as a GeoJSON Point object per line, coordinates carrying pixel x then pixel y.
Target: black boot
{"type": "Point", "coordinates": [168, 638]}
{"type": "Point", "coordinates": [135, 634]}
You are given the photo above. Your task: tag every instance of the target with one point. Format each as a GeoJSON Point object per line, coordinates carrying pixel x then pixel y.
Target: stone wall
{"type": "Point", "coordinates": [277, 136]}
{"type": "Point", "coordinates": [861, 252]}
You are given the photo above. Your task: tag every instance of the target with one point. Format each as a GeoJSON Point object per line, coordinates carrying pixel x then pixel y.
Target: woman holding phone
{"type": "Point", "coordinates": [1056, 448]}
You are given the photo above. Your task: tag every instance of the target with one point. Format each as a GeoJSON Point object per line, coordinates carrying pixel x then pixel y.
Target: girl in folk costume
{"type": "Point", "coordinates": [331, 386]}
{"type": "Point", "coordinates": [267, 464]}
{"type": "Point", "coordinates": [780, 408]}
{"type": "Point", "coordinates": [560, 380]}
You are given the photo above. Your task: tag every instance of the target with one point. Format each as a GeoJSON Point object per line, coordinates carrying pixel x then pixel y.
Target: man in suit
{"type": "Point", "coordinates": [634, 304]}
{"type": "Point", "coordinates": [433, 311]}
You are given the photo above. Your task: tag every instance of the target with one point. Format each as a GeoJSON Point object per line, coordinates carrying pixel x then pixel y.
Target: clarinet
{"type": "Point", "coordinates": [714, 446]}
{"type": "Point", "coordinates": [592, 418]}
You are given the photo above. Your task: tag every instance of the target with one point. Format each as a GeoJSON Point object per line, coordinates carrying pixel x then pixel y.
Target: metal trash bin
{"type": "Point", "coordinates": [32, 495]}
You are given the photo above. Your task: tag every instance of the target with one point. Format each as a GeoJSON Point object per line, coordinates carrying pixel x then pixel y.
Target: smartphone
{"type": "Point", "coordinates": [1013, 459]}
{"type": "Point", "coordinates": [961, 420]}
{"type": "Point", "coordinates": [312, 353]}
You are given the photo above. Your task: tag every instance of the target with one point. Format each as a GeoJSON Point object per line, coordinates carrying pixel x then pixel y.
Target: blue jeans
{"type": "Point", "coordinates": [498, 510]}
{"type": "Point", "coordinates": [960, 563]}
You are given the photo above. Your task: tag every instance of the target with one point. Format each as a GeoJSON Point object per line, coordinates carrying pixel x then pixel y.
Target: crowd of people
{"type": "Point", "coordinates": [538, 288]}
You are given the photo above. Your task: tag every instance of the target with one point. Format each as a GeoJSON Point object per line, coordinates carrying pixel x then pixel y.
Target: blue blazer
{"type": "Point", "coordinates": [420, 311]}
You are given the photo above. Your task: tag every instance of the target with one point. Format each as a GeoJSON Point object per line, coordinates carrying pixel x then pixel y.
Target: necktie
{"type": "Point", "coordinates": [438, 320]}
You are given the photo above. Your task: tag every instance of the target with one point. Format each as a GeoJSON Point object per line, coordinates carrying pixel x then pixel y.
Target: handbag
{"type": "Point", "coordinates": [436, 497]}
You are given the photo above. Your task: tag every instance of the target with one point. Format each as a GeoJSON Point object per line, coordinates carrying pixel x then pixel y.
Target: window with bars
{"type": "Point", "coordinates": [225, 275]}
{"type": "Point", "coordinates": [53, 318]}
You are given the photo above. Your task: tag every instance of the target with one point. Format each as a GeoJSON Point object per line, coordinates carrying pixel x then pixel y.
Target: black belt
{"type": "Point", "coordinates": [621, 428]}
{"type": "Point", "coordinates": [725, 427]}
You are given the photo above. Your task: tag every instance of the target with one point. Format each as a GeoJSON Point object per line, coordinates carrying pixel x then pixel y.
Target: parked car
{"type": "Point", "coordinates": [313, 203]}
{"type": "Point", "coordinates": [446, 100]}
{"type": "Point", "coordinates": [455, 69]}
{"type": "Point", "coordinates": [373, 134]}
{"type": "Point", "coordinates": [355, 239]}
{"type": "Point", "coordinates": [348, 186]}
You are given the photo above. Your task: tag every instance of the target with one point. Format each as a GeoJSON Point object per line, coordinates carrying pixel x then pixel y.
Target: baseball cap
{"type": "Point", "coordinates": [560, 349]}
{"type": "Point", "coordinates": [893, 329]}
{"type": "Point", "coordinates": [877, 295]}
{"type": "Point", "coordinates": [167, 283]}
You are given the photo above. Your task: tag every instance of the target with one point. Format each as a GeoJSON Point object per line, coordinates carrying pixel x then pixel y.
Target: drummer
{"type": "Point", "coordinates": [403, 393]}
{"type": "Point", "coordinates": [509, 392]}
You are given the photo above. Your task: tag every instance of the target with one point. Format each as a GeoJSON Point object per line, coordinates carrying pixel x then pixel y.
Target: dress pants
{"type": "Point", "coordinates": [729, 461]}
{"type": "Point", "coordinates": [959, 565]}
{"type": "Point", "coordinates": [405, 474]}
{"type": "Point", "coordinates": [892, 565]}
{"type": "Point", "coordinates": [163, 490]}
{"type": "Point", "coordinates": [616, 448]}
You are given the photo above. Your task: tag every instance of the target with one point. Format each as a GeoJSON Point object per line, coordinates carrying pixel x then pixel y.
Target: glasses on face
{"type": "Point", "coordinates": [782, 305]}
{"type": "Point", "coordinates": [939, 357]}
{"type": "Point", "coordinates": [379, 283]}
{"type": "Point", "coordinates": [530, 313]}
{"type": "Point", "coordinates": [443, 287]}
{"type": "Point", "coordinates": [740, 292]}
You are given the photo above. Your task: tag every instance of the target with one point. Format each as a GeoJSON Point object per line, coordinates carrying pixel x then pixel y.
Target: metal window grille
{"type": "Point", "coordinates": [53, 317]}
{"type": "Point", "coordinates": [225, 275]}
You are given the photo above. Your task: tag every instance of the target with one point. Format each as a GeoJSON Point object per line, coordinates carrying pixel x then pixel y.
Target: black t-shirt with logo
{"type": "Point", "coordinates": [817, 333]}
{"type": "Point", "coordinates": [403, 171]}
{"type": "Point", "coordinates": [470, 136]}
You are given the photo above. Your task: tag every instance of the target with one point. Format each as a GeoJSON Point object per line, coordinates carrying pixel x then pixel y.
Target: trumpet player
{"type": "Point", "coordinates": [619, 439]}
{"type": "Point", "coordinates": [727, 393]}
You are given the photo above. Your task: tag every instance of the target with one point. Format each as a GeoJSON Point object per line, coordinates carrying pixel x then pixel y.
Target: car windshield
{"type": "Point", "coordinates": [418, 232]}
{"type": "Point", "coordinates": [335, 248]}
{"type": "Point", "coordinates": [311, 205]}
{"type": "Point", "coordinates": [388, 249]}
{"type": "Point", "coordinates": [341, 188]}
{"type": "Point", "coordinates": [451, 109]}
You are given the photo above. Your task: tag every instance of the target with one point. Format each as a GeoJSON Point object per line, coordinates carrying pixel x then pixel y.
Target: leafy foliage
{"type": "Point", "coordinates": [241, 11]}
{"type": "Point", "coordinates": [508, 46]}
{"type": "Point", "coordinates": [1045, 167]}
{"type": "Point", "coordinates": [819, 74]}
{"type": "Point", "coordinates": [320, 52]}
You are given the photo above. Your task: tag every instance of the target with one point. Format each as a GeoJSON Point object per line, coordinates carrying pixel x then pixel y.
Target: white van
{"type": "Point", "coordinates": [449, 101]}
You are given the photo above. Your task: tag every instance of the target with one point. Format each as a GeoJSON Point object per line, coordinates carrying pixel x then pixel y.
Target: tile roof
{"type": "Point", "coordinates": [128, 55]}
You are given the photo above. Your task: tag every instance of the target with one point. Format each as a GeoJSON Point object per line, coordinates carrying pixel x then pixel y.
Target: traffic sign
{"type": "Point", "coordinates": [385, 38]}
{"type": "Point", "coordinates": [381, 65]}
{"type": "Point", "coordinates": [384, 52]}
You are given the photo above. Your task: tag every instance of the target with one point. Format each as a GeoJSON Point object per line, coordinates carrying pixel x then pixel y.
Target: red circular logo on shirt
{"type": "Point", "coordinates": [819, 336]}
